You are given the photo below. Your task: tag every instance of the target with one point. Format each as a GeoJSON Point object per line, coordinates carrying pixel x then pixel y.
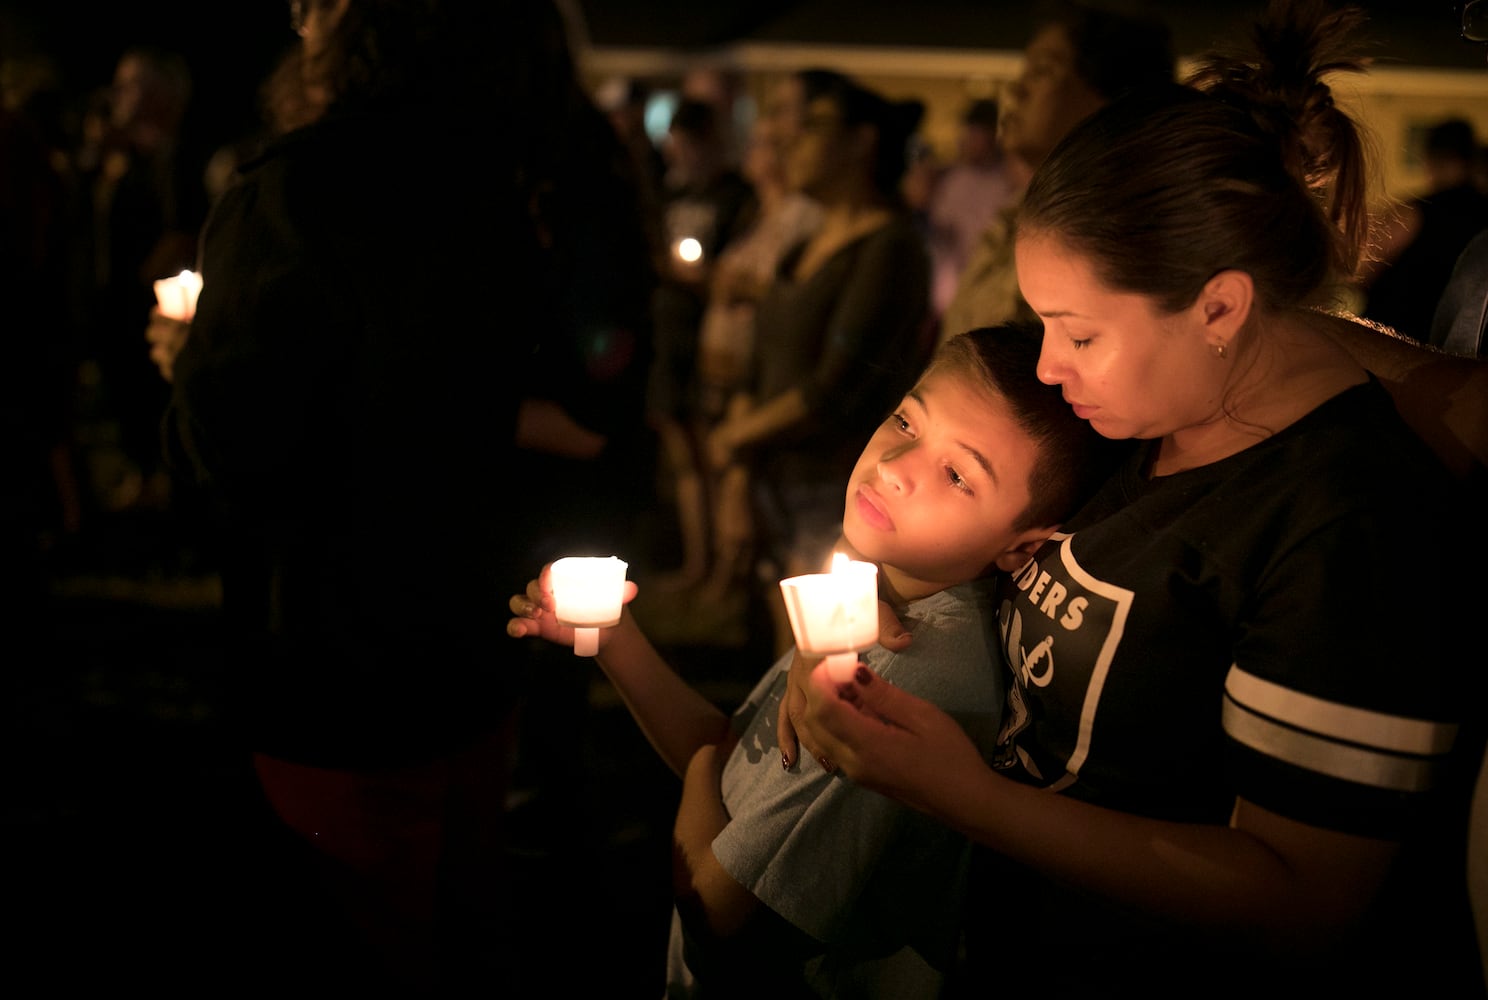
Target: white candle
{"type": "Point", "coordinates": [834, 615]}
{"type": "Point", "coordinates": [587, 595]}
{"type": "Point", "coordinates": [177, 295]}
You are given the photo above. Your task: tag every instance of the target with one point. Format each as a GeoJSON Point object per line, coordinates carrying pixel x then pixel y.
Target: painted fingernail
{"type": "Point", "coordinates": [826, 764]}
{"type": "Point", "coordinates": [847, 692]}
{"type": "Point", "coordinates": [862, 675]}
{"type": "Point", "coordinates": [785, 761]}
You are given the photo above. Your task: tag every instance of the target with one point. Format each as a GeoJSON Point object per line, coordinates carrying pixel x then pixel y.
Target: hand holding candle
{"type": "Point", "coordinates": [834, 615]}
{"type": "Point", "coordinates": [587, 595]}
{"type": "Point", "coordinates": [177, 295]}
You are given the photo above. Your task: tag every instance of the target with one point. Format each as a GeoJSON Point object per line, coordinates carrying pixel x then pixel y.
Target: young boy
{"type": "Point", "coordinates": [979, 464]}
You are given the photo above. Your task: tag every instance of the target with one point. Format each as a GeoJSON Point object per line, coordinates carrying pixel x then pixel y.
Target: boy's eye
{"type": "Point", "coordinates": [898, 421]}
{"type": "Point", "coordinates": [956, 480]}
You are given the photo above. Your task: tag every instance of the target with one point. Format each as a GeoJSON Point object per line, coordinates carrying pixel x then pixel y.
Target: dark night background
{"type": "Point", "coordinates": [124, 811]}
{"type": "Point", "coordinates": [231, 43]}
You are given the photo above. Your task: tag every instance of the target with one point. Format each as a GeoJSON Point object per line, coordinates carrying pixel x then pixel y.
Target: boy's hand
{"type": "Point", "coordinates": [892, 635]}
{"type": "Point", "coordinates": [535, 616]}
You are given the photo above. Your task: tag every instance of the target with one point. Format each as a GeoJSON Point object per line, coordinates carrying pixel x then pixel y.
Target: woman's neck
{"type": "Point", "coordinates": [1289, 368]}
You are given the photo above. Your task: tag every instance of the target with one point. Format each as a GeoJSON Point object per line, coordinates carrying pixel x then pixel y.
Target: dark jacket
{"type": "Point", "coordinates": [348, 397]}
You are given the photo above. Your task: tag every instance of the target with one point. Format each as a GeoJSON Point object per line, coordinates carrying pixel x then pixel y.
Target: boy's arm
{"type": "Point", "coordinates": [675, 718]}
{"type": "Point", "coordinates": [673, 715]}
{"type": "Point", "coordinates": [735, 940]}
{"type": "Point", "coordinates": [707, 895]}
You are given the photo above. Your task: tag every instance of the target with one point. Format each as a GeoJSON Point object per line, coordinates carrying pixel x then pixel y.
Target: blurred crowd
{"type": "Point", "coordinates": [107, 190]}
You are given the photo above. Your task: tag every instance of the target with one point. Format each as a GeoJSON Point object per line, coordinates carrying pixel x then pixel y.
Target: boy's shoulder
{"type": "Point", "coordinates": [959, 604]}
{"type": "Point", "coordinates": [954, 658]}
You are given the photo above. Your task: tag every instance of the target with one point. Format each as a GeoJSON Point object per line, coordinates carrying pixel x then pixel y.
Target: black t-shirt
{"type": "Point", "coordinates": [1277, 626]}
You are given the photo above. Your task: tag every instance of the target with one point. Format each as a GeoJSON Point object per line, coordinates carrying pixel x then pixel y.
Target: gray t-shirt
{"type": "Point", "coordinates": [879, 884]}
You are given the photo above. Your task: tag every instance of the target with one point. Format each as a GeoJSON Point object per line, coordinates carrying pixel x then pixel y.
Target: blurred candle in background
{"type": "Point", "coordinates": [177, 295]}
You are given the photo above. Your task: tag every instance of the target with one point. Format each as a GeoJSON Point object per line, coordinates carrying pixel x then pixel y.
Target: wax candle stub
{"type": "Point", "coordinates": [834, 612]}
{"type": "Point", "coordinates": [587, 596]}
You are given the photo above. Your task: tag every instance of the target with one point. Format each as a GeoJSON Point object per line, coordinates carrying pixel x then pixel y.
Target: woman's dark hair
{"type": "Point", "coordinates": [1073, 459]}
{"type": "Point", "coordinates": [1249, 166]}
{"type": "Point", "coordinates": [895, 122]}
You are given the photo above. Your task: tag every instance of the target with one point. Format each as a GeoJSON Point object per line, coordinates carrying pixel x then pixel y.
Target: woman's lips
{"type": "Point", "coordinates": [871, 509]}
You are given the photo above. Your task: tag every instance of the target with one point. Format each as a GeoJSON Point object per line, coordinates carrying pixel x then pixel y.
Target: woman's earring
{"type": "Point", "coordinates": [1219, 351]}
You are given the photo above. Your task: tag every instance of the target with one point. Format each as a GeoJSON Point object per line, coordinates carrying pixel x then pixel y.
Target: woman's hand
{"type": "Point", "coordinates": [166, 336]}
{"type": "Point", "coordinates": [789, 732]}
{"type": "Point", "coordinates": [535, 612]}
{"type": "Point", "coordinates": [887, 739]}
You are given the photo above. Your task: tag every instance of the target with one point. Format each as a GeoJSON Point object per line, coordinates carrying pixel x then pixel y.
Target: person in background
{"type": "Point", "coordinates": [721, 89]}
{"type": "Point", "coordinates": [146, 204]}
{"type": "Point", "coordinates": [708, 598]}
{"type": "Point", "coordinates": [973, 469]}
{"type": "Point", "coordinates": [841, 329]}
{"type": "Point", "coordinates": [965, 199]}
{"type": "Point", "coordinates": [706, 205]}
{"type": "Point", "coordinates": [1460, 323]}
{"type": "Point", "coordinates": [353, 394]}
{"type": "Point", "coordinates": [1079, 57]}
{"type": "Point", "coordinates": [624, 101]}
{"type": "Point", "coordinates": [36, 389]}
{"type": "Point", "coordinates": [1212, 770]}
{"type": "Point", "coordinates": [1421, 239]}
{"type": "Point", "coordinates": [1460, 327]}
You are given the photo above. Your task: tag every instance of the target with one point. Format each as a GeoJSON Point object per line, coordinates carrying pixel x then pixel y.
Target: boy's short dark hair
{"type": "Point", "coordinates": [1073, 460]}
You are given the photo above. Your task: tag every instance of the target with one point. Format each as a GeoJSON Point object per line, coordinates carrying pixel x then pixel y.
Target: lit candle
{"type": "Point", "coordinates": [177, 295]}
{"type": "Point", "coordinates": [587, 595]}
{"type": "Point", "coordinates": [834, 615]}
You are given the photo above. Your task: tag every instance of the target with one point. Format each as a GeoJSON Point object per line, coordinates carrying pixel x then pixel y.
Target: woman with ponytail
{"type": "Point", "coordinates": [1238, 737]}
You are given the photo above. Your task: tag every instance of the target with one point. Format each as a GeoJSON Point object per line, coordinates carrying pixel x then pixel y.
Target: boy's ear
{"type": "Point", "coordinates": [1013, 558]}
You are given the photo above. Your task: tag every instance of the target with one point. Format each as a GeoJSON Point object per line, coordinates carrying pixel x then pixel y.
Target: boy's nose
{"type": "Point", "coordinates": [893, 474]}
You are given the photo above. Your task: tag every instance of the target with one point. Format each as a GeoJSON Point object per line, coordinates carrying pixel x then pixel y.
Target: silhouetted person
{"type": "Point", "coordinates": [1422, 240]}
{"type": "Point", "coordinates": [375, 308]}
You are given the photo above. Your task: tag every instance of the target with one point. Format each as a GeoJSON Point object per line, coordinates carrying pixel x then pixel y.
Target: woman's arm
{"type": "Point", "coordinates": [1268, 878]}
{"type": "Point", "coordinates": [674, 717]}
